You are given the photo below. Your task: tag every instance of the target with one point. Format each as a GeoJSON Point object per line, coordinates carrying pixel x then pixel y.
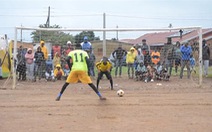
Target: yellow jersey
{"type": "Point", "coordinates": [100, 66]}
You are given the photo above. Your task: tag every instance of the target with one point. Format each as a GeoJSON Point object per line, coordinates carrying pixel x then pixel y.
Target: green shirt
{"type": "Point", "coordinates": [78, 60]}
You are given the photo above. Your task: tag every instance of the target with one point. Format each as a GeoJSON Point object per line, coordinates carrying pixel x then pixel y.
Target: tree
{"type": "Point", "coordinates": [59, 37]}
{"type": "Point", "coordinates": [54, 37]}
{"type": "Point", "coordinates": [90, 34]}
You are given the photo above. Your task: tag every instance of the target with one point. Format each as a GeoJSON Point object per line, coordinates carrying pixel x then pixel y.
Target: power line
{"type": "Point", "coordinates": [160, 18]}
{"type": "Point", "coordinates": [113, 15]}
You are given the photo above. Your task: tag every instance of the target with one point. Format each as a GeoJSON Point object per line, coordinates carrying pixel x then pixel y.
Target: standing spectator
{"type": "Point", "coordinates": [145, 48]}
{"type": "Point", "coordinates": [104, 67]}
{"type": "Point", "coordinates": [21, 66]}
{"type": "Point", "coordinates": [205, 57]}
{"type": "Point", "coordinates": [86, 45]}
{"type": "Point", "coordinates": [177, 56]}
{"type": "Point", "coordinates": [130, 59]}
{"type": "Point", "coordinates": [168, 54]}
{"type": "Point", "coordinates": [139, 59]}
{"type": "Point", "coordinates": [186, 53]}
{"type": "Point", "coordinates": [69, 47]}
{"type": "Point", "coordinates": [119, 55]}
{"type": "Point", "coordinates": [44, 49]}
{"type": "Point", "coordinates": [45, 52]}
{"type": "Point", "coordinates": [58, 72]}
{"type": "Point", "coordinates": [78, 62]}
{"type": "Point", "coordinates": [192, 64]}
{"type": "Point", "coordinates": [29, 57]}
{"type": "Point", "coordinates": [56, 59]}
{"type": "Point", "coordinates": [39, 57]}
{"type": "Point", "coordinates": [92, 59]}
{"type": "Point", "coordinates": [64, 64]}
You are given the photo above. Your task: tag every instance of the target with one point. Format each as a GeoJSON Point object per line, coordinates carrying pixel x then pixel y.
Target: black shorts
{"type": "Point", "coordinates": [107, 73]}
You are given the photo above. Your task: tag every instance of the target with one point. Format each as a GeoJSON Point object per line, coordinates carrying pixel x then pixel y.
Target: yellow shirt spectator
{"type": "Point", "coordinates": [44, 49]}
{"type": "Point", "coordinates": [57, 70]}
{"type": "Point", "coordinates": [131, 56]}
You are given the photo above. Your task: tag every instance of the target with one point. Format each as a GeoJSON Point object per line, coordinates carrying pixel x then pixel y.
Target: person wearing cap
{"type": "Point", "coordinates": [104, 67]}
{"type": "Point", "coordinates": [86, 45]}
{"type": "Point", "coordinates": [130, 59]}
{"type": "Point", "coordinates": [205, 57]}
{"type": "Point", "coordinates": [78, 62]}
{"type": "Point", "coordinates": [69, 47]}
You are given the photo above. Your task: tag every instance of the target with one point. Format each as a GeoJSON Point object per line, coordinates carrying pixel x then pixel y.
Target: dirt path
{"type": "Point", "coordinates": [175, 106]}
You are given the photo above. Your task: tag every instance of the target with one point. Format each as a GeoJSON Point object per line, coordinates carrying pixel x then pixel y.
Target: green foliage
{"type": "Point", "coordinates": [90, 34]}
{"type": "Point", "coordinates": [59, 37]}
{"type": "Point", "coordinates": [54, 37]}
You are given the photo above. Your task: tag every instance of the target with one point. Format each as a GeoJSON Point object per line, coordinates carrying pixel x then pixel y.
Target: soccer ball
{"type": "Point", "coordinates": [120, 93]}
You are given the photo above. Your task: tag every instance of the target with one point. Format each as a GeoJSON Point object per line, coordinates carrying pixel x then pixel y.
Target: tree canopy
{"type": "Point", "coordinates": [59, 37]}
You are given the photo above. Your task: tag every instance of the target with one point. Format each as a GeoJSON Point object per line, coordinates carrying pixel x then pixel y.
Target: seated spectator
{"type": "Point", "coordinates": [49, 74]}
{"type": "Point", "coordinates": [58, 72]}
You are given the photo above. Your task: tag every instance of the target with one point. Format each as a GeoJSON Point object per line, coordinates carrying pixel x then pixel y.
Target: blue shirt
{"type": "Point", "coordinates": [86, 46]}
{"type": "Point", "coordinates": [186, 52]}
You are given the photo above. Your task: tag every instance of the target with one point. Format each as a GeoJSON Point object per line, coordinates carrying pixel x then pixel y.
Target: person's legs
{"type": "Point", "coordinates": [206, 64]}
{"type": "Point", "coordinates": [188, 69]}
{"type": "Point", "coordinates": [72, 78]}
{"type": "Point", "coordinates": [128, 70]}
{"type": "Point", "coordinates": [176, 68]}
{"type": "Point", "coordinates": [100, 74]}
{"type": "Point", "coordinates": [109, 77]}
{"type": "Point", "coordinates": [96, 91]}
{"type": "Point", "coordinates": [116, 70]}
{"type": "Point", "coordinates": [92, 70]}
{"type": "Point", "coordinates": [182, 68]}
{"type": "Point", "coordinates": [84, 78]}
{"type": "Point", "coordinates": [35, 71]}
{"type": "Point", "coordinates": [120, 67]}
{"type": "Point", "coordinates": [132, 67]}
{"type": "Point", "coordinates": [62, 90]}
{"type": "Point", "coordinates": [39, 71]}
{"type": "Point", "coordinates": [31, 71]}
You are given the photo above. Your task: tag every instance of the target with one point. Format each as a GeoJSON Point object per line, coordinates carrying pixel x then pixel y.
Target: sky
{"type": "Point", "coordinates": [89, 14]}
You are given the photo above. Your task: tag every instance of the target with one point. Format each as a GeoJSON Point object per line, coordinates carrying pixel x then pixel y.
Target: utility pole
{"type": "Point", "coordinates": [104, 36]}
{"type": "Point", "coordinates": [48, 18]}
{"type": "Point", "coordinates": [117, 34]}
{"type": "Point", "coordinates": [21, 35]}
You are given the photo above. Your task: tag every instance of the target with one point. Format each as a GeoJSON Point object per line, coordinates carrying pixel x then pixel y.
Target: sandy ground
{"type": "Point", "coordinates": [175, 106]}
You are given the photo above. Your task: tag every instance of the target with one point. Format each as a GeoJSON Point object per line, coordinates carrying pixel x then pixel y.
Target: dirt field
{"type": "Point", "coordinates": [176, 106]}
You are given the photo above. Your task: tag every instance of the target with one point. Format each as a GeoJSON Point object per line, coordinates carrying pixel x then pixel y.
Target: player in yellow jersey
{"type": "Point", "coordinates": [104, 67]}
{"type": "Point", "coordinates": [78, 62]}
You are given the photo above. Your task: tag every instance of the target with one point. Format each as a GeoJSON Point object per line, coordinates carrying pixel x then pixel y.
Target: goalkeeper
{"type": "Point", "coordinates": [104, 67]}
